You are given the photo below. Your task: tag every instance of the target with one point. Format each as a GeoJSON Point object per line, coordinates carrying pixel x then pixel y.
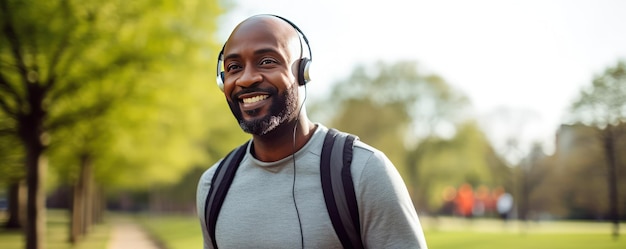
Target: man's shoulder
{"type": "Point", "coordinates": [208, 173]}
{"type": "Point", "coordinates": [364, 152]}
{"type": "Point", "coordinates": [365, 148]}
{"type": "Point", "coordinates": [359, 146]}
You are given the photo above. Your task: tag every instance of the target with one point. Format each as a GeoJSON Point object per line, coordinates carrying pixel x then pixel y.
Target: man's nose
{"type": "Point", "coordinates": [249, 77]}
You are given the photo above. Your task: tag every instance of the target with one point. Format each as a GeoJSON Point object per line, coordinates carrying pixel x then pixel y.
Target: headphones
{"type": "Point", "coordinates": [303, 64]}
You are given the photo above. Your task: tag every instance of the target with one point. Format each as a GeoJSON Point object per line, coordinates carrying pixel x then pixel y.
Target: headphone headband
{"type": "Point", "coordinates": [306, 40]}
{"type": "Point", "coordinates": [303, 64]}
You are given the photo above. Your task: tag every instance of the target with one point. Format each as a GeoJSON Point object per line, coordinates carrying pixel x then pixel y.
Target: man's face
{"type": "Point", "coordinates": [259, 84]}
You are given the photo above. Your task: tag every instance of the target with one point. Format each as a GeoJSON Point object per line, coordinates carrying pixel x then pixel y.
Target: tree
{"type": "Point", "coordinates": [508, 129]}
{"type": "Point", "coordinates": [11, 176]}
{"type": "Point", "coordinates": [418, 120]}
{"type": "Point", "coordinates": [579, 158]}
{"type": "Point", "coordinates": [602, 106]}
{"type": "Point", "coordinates": [446, 163]}
{"type": "Point", "coordinates": [62, 61]}
{"type": "Point", "coordinates": [416, 104]}
{"type": "Point", "coordinates": [532, 172]}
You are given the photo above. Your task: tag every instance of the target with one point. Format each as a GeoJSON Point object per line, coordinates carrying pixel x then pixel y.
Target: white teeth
{"type": "Point", "coordinates": [255, 99]}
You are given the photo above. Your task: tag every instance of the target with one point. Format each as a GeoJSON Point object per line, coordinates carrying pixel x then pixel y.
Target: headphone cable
{"type": "Point", "coordinates": [293, 157]}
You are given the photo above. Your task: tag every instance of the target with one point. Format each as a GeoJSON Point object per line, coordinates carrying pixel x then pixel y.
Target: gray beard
{"type": "Point", "coordinates": [281, 109]}
{"type": "Point", "coordinates": [260, 127]}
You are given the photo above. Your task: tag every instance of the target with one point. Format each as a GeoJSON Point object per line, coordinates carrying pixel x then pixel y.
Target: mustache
{"type": "Point", "coordinates": [269, 91]}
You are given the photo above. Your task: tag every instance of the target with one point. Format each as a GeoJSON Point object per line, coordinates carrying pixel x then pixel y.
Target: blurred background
{"type": "Point", "coordinates": [491, 110]}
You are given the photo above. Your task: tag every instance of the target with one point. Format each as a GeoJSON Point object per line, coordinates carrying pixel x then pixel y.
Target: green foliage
{"type": "Point", "coordinates": [393, 106]}
{"type": "Point", "coordinates": [582, 161]}
{"type": "Point", "coordinates": [465, 158]}
{"type": "Point", "coordinates": [428, 102]}
{"type": "Point", "coordinates": [124, 83]}
{"type": "Point", "coordinates": [420, 122]}
{"type": "Point", "coordinates": [11, 158]}
{"type": "Point", "coordinates": [579, 158]}
{"type": "Point", "coordinates": [602, 106]}
{"type": "Point", "coordinates": [380, 126]}
{"type": "Point", "coordinates": [603, 102]}
{"type": "Point", "coordinates": [11, 153]}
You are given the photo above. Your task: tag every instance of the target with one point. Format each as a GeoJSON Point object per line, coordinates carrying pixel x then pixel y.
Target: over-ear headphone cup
{"type": "Point", "coordinates": [303, 66]}
{"type": "Point", "coordinates": [220, 80]}
{"type": "Point", "coordinates": [303, 71]}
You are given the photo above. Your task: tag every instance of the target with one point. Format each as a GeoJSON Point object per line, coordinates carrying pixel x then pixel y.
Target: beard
{"type": "Point", "coordinates": [282, 108]}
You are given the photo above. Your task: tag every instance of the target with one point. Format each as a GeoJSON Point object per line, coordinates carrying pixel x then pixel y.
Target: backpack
{"type": "Point", "coordinates": [337, 187]}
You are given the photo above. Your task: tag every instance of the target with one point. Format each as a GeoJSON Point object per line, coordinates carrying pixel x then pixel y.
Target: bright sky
{"type": "Point", "coordinates": [530, 57]}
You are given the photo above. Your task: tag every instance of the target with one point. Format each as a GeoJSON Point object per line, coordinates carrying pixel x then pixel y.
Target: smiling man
{"type": "Point", "coordinates": [258, 83]}
{"type": "Point", "coordinates": [274, 196]}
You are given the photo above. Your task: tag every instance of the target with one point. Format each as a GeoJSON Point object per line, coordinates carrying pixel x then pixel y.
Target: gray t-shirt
{"type": "Point", "coordinates": [259, 210]}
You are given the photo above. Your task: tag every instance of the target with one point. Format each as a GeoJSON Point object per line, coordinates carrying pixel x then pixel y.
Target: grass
{"type": "Point", "coordinates": [57, 226]}
{"type": "Point", "coordinates": [488, 233]}
{"type": "Point", "coordinates": [174, 231]}
{"type": "Point", "coordinates": [180, 232]}
{"type": "Point", "coordinates": [470, 240]}
{"type": "Point", "coordinates": [441, 233]}
{"type": "Point", "coordinates": [183, 231]}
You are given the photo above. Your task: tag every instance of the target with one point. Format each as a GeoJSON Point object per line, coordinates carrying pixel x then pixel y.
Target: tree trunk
{"type": "Point", "coordinates": [35, 204]}
{"type": "Point", "coordinates": [89, 194]}
{"type": "Point", "coordinates": [608, 141]}
{"type": "Point", "coordinates": [98, 204]}
{"type": "Point", "coordinates": [523, 195]}
{"type": "Point", "coordinates": [412, 169]}
{"type": "Point", "coordinates": [76, 212]}
{"type": "Point", "coordinates": [82, 201]}
{"type": "Point", "coordinates": [16, 205]}
{"type": "Point", "coordinates": [33, 136]}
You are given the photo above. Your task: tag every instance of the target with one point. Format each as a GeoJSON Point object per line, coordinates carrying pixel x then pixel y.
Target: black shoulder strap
{"type": "Point", "coordinates": [338, 187]}
{"type": "Point", "coordinates": [220, 183]}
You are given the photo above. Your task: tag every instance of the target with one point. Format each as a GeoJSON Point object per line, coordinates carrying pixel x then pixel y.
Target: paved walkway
{"type": "Point", "coordinates": [126, 234]}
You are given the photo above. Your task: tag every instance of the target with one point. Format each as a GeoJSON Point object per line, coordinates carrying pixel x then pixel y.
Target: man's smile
{"type": "Point", "coordinates": [250, 103]}
{"type": "Point", "coordinates": [254, 99]}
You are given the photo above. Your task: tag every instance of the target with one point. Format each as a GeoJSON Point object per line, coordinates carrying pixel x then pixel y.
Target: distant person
{"type": "Point", "coordinates": [481, 199]}
{"type": "Point", "coordinates": [465, 200]}
{"type": "Point", "coordinates": [276, 198]}
{"type": "Point", "coordinates": [448, 196]}
{"type": "Point", "coordinates": [504, 205]}
{"type": "Point", "coordinates": [490, 202]}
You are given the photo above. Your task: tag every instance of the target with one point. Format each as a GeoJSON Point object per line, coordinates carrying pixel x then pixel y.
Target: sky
{"type": "Point", "coordinates": [528, 58]}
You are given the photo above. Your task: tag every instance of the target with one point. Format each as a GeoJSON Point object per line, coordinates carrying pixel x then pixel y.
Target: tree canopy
{"type": "Point", "coordinates": [120, 83]}
{"type": "Point", "coordinates": [421, 123]}
{"type": "Point", "coordinates": [602, 106]}
{"type": "Point", "coordinates": [602, 103]}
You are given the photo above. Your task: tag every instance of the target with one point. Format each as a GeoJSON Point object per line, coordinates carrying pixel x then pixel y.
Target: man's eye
{"type": "Point", "coordinates": [232, 67]}
{"type": "Point", "coordinates": [267, 61]}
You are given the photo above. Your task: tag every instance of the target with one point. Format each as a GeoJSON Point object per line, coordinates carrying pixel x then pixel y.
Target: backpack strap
{"type": "Point", "coordinates": [338, 187]}
{"type": "Point", "coordinates": [220, 183]}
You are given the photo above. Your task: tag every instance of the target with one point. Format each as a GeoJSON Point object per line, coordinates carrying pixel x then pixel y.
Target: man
{"type": "Point", "coordinates": [276, 199]}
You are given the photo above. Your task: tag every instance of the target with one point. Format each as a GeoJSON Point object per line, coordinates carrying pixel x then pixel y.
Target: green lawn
{"type": "Point", "coordinates": [471, 240]}
{"type": "Point", "coordinates": [183, 232]}
{"type": "Point", "coordinates": [490, 233]}
{"type": "Point", "coordinates": [57, 234]}
{"type": "Point", "coordinates": [174, 231]}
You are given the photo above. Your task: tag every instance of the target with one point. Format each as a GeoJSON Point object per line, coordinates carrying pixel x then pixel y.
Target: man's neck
{"type": "Point", "coordinates": [280, 143]}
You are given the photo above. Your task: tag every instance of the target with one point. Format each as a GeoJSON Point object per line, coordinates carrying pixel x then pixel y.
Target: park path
{"type": "Point", "coordinates": [127, 234]}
